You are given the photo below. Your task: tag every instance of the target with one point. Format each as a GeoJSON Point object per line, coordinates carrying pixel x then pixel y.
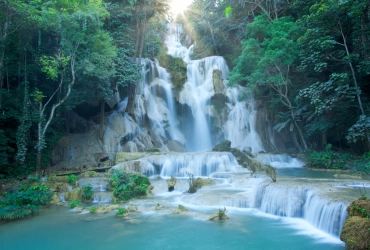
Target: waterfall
{"type": "Point", "coordinates": [240, 126]}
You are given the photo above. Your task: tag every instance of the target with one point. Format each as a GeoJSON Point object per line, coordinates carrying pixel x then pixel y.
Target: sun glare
{"type": "Point", "coordinates": [179, 6]}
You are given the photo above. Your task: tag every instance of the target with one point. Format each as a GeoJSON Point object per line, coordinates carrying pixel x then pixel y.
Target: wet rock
{"type": "Point", "coordinates": [171, 183]}
{"type": "Point", "coordinates": [175, 146]}
{"type": "Point", "coordinates": [218, 82]}
{"type": "Point", "coordinates": [55, 200]}
{"type": "Point", "coordinates": [221, 215]}
{"type": "Point", "coordinates": [180, 209]}
{"type": "Point", "coordinates": [158, 207]}
{"type": "Point", "coordinates": [132, 208]}
{"type": "Point", "coordinates": [355, 232]}
{"type": "Point", "coordinates": [75, 194]}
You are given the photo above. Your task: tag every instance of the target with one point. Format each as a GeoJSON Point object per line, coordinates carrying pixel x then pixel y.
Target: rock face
{"type": "Point", "coordinates": [77, 151]}
{"type": "Point", "coordinates": [356, 230]}
{"type": "Point", "coordinates": [219, 110]}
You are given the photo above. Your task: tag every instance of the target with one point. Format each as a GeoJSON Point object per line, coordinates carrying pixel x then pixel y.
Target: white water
{"type": "Point", "coordinates": [235, 189]}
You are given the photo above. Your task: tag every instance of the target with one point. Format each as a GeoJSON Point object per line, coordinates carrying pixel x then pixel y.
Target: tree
{"type": "Point", "coordinates": [82, 46]}
{"type": "Point", "coordinates": [333, 29]}
{"type": "Point", "coordinates": [269, 55]}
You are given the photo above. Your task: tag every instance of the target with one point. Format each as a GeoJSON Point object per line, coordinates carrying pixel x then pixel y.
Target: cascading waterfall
{"type": "Point", "coordinates": [240, 126]}
{"type": "Point", "coordinates": [154, 100]}
{"type": "Point", "coordinates": [235, 188]}
{"type": "Point", "coordinates": [197, 92]}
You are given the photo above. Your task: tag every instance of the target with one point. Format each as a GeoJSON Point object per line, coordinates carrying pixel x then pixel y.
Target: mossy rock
{"type": "Point", "coordinates": [356, 233]}
{"type": "Point", "coordinates": [180, 209]}
{"type": "Point", "coordinates": [75, 194]}
{"type": "Point", "coordinates": [356, 230]}
{"type": "Point", "coordinates": [176, 67]}
{"type": "Point", "coordinates": [359, 207]}
{"type": "Point", "coordinates": [89, 174]}
{"type": "Point", "coordinates": [58, 186]}
{"type": "Point", "coordinates": [202, 182]}
{"type": "Point", "coordinates": [224, 146]}
{"type": "Point", "coordinates": [127, 156]}
{"type": "Point", "coordinates": [55, 200]}
{"type": "Point", "coordinates": [158, 207]}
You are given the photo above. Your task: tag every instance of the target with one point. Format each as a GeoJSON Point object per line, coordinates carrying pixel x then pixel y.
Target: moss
{"type": "Point", "coordinates": [176, 67]}
{"type": "Point", "coordinates": [356, 231]}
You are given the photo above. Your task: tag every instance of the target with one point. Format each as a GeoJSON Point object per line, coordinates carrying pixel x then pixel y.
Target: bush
{"type": "Point", "coordinates": [72, 179]}
{"type": "Point", "coordinates": [93, 209]}
{"type": "Point", "coordinates": [122, 211]}
{"type": "Point", "coordinates": [74, 203]}
{"type": "Point", "coordinates": [26, 201]}
{"type": "Point", "coordinates": [87, 192]}
{"type": "Point", "coordinates": [127, 186]}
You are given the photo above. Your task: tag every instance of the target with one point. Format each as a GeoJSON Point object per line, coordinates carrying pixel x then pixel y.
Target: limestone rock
{"type": "Point", "coordinates": [355, 232]}
{"type": "Point", "coordinates": [158, 207]}
{"type": "Point", "coordinates": [218, 83]}
{"type": "Point", "coordinates": [175, 146]}
{"type": "Point", "coordinates": [171, 183]}
{"type": "Point", "coordinates": [217, 217]}
{"type": "Point", "coordinates": [55, 200]}
{"type": "Point", "coordinates": [75, 194]}
{"type": "Point", "coordinates": [132, 208]}
{"type": "Point", "coordinates": [180, 209]}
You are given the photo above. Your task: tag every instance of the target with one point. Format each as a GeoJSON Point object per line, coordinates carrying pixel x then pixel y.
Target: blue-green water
{"type": "Point", "coordinates": [60, 228]}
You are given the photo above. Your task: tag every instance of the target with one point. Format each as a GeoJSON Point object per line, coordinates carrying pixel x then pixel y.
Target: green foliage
{"type": "Point", "coordinates": [87, 192]}
{"type": "Point", "coordinates": [176, 67]}
{"type": "Point", "coordinates": [26, 201]}
{"type": "Point", "coordinates": [74, 203]}
{"type": "Point", "coordinates": [127, 186]}
{"type": "Point", "coordinates": [72, 179]}
{"type": "Point", "coordinates": [358, 130]}
{"type": "Point", "coordinates": [221, 213]}
{"type": "Point", "coordinates": [93, 209]}
{"type": "Point", "coordinates": [329, 159]}
{"type": "Point", "coordinates": [122, 211]}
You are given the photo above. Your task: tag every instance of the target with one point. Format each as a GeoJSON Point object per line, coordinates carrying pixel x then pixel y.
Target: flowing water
{"type": "Point", "coordinates": [303, 210]}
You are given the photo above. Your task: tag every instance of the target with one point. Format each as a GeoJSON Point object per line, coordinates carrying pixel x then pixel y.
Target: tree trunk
{"type": "Point", "coordinates": [355, 82]}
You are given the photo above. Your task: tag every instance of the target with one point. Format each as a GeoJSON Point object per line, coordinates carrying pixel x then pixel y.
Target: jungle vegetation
{"type": "Point", "coordinates": [308, 60]}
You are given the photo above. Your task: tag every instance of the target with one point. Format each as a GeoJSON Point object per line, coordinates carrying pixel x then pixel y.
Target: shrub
{"type": "Point", "coordinates": [127, 186]}
{"type": "Point", "coordinates": [93, 209]}
{"type": "Point", "coordinates": [26, 201]}
{"type": "Point", "coordinates": [72, 178]}
{"type": "Point", "coordinates": [74, 203]}
{"type": "Point", "coordinates": [122, 211]}
{"type": "Point", "coordinates": [87, 192]}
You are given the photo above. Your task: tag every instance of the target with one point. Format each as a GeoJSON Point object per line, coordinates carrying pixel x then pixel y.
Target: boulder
{"type": "Point", "coordinates": [355, 232]}
{"type": "Point", "coordinates": [132, 208]}
{"type": "Point", "coordinates": [175, 146]}
{"type": "Point", "coordinates": [180, 209]}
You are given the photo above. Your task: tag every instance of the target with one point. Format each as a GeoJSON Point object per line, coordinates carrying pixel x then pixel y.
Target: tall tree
{"type": "Point", "coordinates": [269, 55]}
{"type": "Point", "coordinates": [334, 29]}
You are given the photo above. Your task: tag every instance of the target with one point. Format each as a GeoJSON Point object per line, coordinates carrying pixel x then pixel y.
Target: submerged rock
{"type": "Point", "coordinates": [180, 209]}
{"type": "Point", "coordinates": [356, 230]}
{"type": "Point", "coordinates": [132, 208]}
{"type": "Point", "coordinates": [158, 207]}
{"type": "Point", "coordinates": [221, 215]}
